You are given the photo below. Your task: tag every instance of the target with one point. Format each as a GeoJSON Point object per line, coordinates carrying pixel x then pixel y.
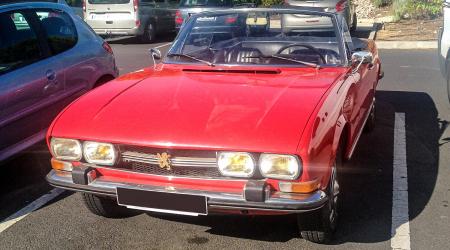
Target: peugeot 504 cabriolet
{"type": "Point", "coordinates": [238, 117]}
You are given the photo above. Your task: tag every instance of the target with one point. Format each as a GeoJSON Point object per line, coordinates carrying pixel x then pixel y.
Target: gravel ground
{"type": "Point", "coordinates": [364, 8]}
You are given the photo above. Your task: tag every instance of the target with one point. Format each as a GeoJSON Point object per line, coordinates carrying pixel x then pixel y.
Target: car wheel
{"type": "Point", "coordinates": [354, 23]}
{"type": "Point", "coordinates": [105, 206]}
{"type": "Point", "coordinates": [370, 124]}
{"type": "Point", "coordinates": [320, 225]}
{"type": "Point", "coordinates": [149, 33]}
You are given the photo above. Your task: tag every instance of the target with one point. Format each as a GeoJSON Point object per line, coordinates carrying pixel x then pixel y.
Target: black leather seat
{"type": "Point", "coordinates": [244, 55]}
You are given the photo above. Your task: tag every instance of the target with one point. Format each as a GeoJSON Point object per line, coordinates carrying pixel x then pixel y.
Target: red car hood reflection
{"type": "Point", "coordinates": [171, 107]}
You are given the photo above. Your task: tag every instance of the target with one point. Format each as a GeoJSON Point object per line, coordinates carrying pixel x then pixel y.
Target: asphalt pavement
{"type": "Point", "coordinates": [412, 85]}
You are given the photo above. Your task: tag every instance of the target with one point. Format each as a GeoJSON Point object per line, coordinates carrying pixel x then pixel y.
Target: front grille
{"type": "Point", "coordinates": [183, 163]}
{"type": "Point", "coordinates": [175, 171]}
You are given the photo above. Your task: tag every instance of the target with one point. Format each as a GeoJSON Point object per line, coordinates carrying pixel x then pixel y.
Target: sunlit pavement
{"type": "Point", "coordinates": [412, 85]}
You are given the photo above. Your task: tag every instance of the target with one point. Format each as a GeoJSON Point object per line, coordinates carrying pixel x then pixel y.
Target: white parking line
{"type": "Point", "coordinates": [22, 213]}
{"type": "Point", "coordinates": [163, 45]}
{"type": "Point", "coordinates": [400, 234]}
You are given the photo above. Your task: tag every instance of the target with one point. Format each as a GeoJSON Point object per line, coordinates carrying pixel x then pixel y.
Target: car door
{"type": "Point", "coordinates": [362, 91]}
{"type": "Point", "coordinates": [76, 65]}
{"type": "Point", "coordinates": [162, 16]}
{"type": "Point", "coordinates": [29, 78]}
{"type": "Point", "coordinates": [172, 7]}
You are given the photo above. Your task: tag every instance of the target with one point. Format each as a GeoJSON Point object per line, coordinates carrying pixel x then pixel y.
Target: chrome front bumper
{"type": "Point", "coordinates": [275, 201]}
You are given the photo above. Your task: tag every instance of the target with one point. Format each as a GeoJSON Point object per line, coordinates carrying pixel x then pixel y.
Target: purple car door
{"type": "Point", "coordinates": [29, 81]}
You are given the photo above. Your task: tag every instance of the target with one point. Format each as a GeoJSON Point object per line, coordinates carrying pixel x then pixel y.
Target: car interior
{"type": "Point", "coordinates": [253, 41]}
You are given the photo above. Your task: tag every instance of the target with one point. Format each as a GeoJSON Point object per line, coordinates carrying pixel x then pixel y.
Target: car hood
{"type": "Point", "coordinates": [262, 110]}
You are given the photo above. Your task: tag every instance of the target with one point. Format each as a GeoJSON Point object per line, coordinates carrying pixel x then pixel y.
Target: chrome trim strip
{"type": "Point", "coordinates": [167, 176]}
{"type": "Point", "coordinates": [361, 130]}
{"type": "Point", "coordinates": [130, 156]}
{"type": "Point", "coordinates": [277, 201]}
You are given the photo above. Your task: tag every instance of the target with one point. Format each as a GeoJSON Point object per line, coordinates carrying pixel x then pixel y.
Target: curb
{"type": "Point", "coordinates": [400, 44]}
{"type": "Point", "coordinates": [407, 44]}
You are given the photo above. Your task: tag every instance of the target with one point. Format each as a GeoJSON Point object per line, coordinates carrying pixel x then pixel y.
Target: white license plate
{"type": "Point", "coordinates": [110, 17]}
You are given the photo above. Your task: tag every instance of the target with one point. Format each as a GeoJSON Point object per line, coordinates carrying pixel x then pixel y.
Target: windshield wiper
{"type": "Point", "coordinates": [192, 58]}
{"type": "Point", "coordinates": [312, 65]}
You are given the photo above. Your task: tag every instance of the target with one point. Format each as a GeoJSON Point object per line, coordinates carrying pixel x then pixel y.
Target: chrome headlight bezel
{"type": "Point", "coordinates": [88, 159]}
{"type": "Point", "coordinates": [298, 168]}
{"type": "Point", "coordinates": [236, 174]}
{"type": "Point", "coordinates": [77, 156]}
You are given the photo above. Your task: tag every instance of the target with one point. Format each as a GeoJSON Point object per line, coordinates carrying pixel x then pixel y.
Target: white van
{"type": "Point", "coordinates": [142, 18]}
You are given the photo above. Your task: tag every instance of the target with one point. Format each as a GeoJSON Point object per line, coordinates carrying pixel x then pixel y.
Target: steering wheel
{"type": "Point", "coordinates": [322, 58]}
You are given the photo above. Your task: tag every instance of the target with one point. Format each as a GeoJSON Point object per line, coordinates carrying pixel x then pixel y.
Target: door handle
{"type": "Point", "coordinates": [51, 75]}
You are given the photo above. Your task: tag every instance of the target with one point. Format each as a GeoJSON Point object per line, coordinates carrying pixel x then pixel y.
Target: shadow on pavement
{"type": "Point", "coordinates": [22, 178]}
{"type": "Point", "coordinates": [366, 215]}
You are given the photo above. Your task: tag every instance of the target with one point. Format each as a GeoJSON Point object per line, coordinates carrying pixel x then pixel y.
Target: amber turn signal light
{"type": "Point", "coordinates": [299, 187]}
{"type": "Point", "coordinates": [61, 165]}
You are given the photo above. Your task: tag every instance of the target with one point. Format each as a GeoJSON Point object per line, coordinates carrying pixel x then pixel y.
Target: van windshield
{"type": "Point", "coordinates": [108, 1]}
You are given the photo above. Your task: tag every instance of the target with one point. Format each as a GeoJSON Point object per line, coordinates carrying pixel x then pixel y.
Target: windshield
{"type": "Point", "coordinates": [261, 38]}
{"type": "Point", "coordinates": [208, 3]}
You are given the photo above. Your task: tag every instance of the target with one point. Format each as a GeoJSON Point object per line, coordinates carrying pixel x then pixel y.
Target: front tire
{"type": "Point", "coordinates": [149, 33]}
{"type": "Point", "coordinates": [104, 206]}
{"type": "Point", "coordinates": [319, 226]}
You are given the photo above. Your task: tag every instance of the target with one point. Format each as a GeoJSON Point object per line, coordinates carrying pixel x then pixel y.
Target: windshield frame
{"type": "Point", "coordinates": [185, 30]}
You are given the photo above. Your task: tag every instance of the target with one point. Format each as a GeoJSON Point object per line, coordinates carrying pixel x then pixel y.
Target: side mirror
{"type": "Point", "coordinates": [362, 57]}
{"type": "Point", "coordinates": [155, 53]}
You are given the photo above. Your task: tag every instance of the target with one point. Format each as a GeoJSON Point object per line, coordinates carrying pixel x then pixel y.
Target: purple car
{"type": "Point", "coordinates": [48, 57]}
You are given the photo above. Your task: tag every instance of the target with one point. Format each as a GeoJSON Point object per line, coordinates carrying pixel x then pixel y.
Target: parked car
{"type": "Point", "coordinates": [444, 45]}
{"type": "Point", "coordinates": [48, 57]}
{"type": "Point", "coordinates": [236, 119]}
{"type": "Point", "coordinates": [190, 7]}
{"type": "Point", "coordinates": [141, 18]}
{"type": "Point", "coordinates": [77, 6]}
{"type": "Point", "coordinates": [345, 8]}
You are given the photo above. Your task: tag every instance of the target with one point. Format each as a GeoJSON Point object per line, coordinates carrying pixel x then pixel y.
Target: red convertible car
{"type": "Point", "coordinates": [239, 117]}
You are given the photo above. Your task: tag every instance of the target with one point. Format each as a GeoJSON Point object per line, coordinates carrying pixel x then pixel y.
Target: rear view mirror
{"type": "Point", "coordinates": [155, 53]}
{"type": "Point", "coordinates": [362, 57]}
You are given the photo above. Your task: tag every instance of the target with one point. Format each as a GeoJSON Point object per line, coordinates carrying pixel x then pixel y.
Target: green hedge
{"type": "Point", "coordinates": [417, 9]}
{"type": "Point", "coordinates": [268, 3]}
{"type": "Point", "coordinates": [381, 3]}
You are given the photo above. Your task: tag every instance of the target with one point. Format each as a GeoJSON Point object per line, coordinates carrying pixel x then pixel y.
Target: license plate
{"type": "Point", "coordinates": [163, 202]}
{"type": "Point", "coordinates": [100, 17]}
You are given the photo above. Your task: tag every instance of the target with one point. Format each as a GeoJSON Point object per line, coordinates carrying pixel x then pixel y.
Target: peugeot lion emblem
{"type": "Point", "coordinates": [164, 160]}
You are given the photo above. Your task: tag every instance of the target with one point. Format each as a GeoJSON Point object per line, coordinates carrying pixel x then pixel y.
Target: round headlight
{"type": "Point", "coordinates": [66, 149]}
{"type": "Point", "coordinates": [99, 153]}
{"type": "Point", "coordinates": [236, 164]}
{"type": "Point", "coordinates": [277, 166]}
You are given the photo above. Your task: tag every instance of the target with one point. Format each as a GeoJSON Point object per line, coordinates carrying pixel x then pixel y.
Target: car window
{"type": "Point", "coordinates": [59, 28]}
{"type": "Point", "coordinates": [75, 3]}
{"type": "Point", "coordinates": [19, 45]}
